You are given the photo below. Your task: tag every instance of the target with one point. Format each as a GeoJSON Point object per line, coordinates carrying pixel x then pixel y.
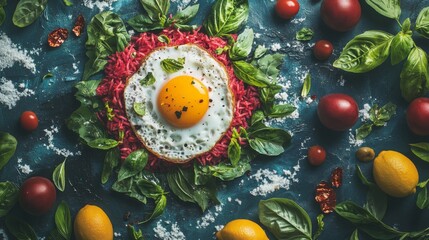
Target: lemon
{"type": "Point", "coordinates": [241, 229]}
{"type": "Point", "coordinates": [92, 223]}
{"type": "Point", "coordinates": [395, 174]}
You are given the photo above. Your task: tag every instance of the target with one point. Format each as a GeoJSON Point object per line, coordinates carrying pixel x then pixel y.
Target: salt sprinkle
{"type": "Point", "coordinates": [238, 201]}
{"type": "Point", "coordinates": [9, 95]}
{"type": "Point", "coordinates": [298, 20]}
{"type": "Point", "coordinates": [174, 234]}
{"type": "Point", "coordinates": [341, 81]}
{"type": "Point", "coordinates": [100, 4]}
{"type": "Point", "coordinates": [49, 133]}
{"type": "Point", "coordinates": [117, 234]}
{"type": "Point", "coordinates": [219, 227]}
{"type": "Point", "coordinates": [25, 168]}
{"type": "Point", "coordinates": [209, 217]}
{"type": "Point", "coordinates": [11, 53]}
{"type": "Point", "coordinates": [275, 47]}
{"type": "Point", "coordinates": [364, 113]}
{"type": "Point", "coordinates": [353, 141]}
{"type": "Point", "coordinates": [3, 235]}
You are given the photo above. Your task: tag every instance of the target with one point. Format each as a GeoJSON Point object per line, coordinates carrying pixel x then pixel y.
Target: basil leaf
{"type": "Point", "coordinates": [129, 188]}
{"type": "Point", "coordinates": [170, 65]}
{"type": "Point", "coordinates": [423, 199]}
{"type": "Point", "coordinates": [149, 188]}
{"type": "Point", "coordinates": [2, 15]}
{"type": "Point", "coordinates": [20, 229]}
{"type": "Point", "coordinates": [8, 145]}
{"type": "Point", "coordinates": [63, 220]}
{"type": "Point", "coordinates": [401, 46]}
{"type": "Point", "coordinates": [59, 176]}
{"type": "Point", "coordinates": [270, 65]}
{"type": "Point", "coordinates": [242, 48]}
{"type": "Point", "coordinates": [362, 177]}
{"type": "Point", "coordinates": [110, 162]}
{"type": "Point", "coordinates": [149, 77]}
{"type": "Point", "coordinates": [365, 221]}
{"type": "Point", "coordinates": [27, 11]}
{"type": "Point", "coordinates": [268, 141]}
{"type": "Point", "coordinates": [185, 27]}
{"type": "Point", "coordinates": [187, 14]}
{"type": "Point", "coordinates": [306, 86]}
{"type": "Point", "coordinates": [133, 234]}
{"type": "Point", "coordinates": [142, 23]}
{"type": "Point", "coordinates": [139, 108]}
{"type": "Point", "coordinates": [133, 164]}
{"type": "Point", "coordinates": [260, 51]}
{"type": "Point", "coordinates": [103, 143]}
{"type": "Point", "coordinates": [249, 74]}
{"type": "Point", "coordinates": [365, 52]}
{"type": "Point", "coordinates": [363, 131]}
{"type": "Point", "coordinates": [265, 147]}
{"type": "Point", "coordinates": [387, 8]}
{"type": "Point", "coordinates": [285, 219]}
{"type": "Point", "coordinates": [68, 3]}
{"type": "Point", "coordinates": [84, 122]}
{"type": "Point", "coordinates": [258, 116]}
{"type": "Point", "coordinates": [86, 93]}
{"type": "Point", "coordinates": [379, 116]}
{"type": "Point", "coordinates": [160, 205]}
{"type": "Point", "coordinates": [222, 171]}
{"type": "Point", "coordinates": [321, 226]}
{"type": "Point", "coordinates": [414, 76]}
{"type": "Point", "coordinates": [156, 8]}
{"type": "Point", "coordinates": [226, 16]}
{"type": "Point", "coordinates": [234, 151]}
{"type": "Point", "coordinates": [422, 22]}
{"type": "Point", "coordinates": [8, 197]}
{"type": "Point", "coordinates": [376, 202]}
{"type": "Point", "coordinates": [355, 235]}
{"type": "Point", "coordinates": [305, 34]}
{"type": "Point", "coordinates": [280, 110]}
{"type": "Point", "coordinates": [421, 150]}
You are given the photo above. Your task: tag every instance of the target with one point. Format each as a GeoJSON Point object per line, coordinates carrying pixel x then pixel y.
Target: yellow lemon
{"type": "Point", "coordinates": [241, 229]}
{"type": "Point", "coordinates": [92, 223]}
{"type": "Point", "coordinates": [395, 174]}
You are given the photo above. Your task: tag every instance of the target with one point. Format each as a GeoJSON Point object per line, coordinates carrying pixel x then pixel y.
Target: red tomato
{"type": "Point", "coordinates": [37, 195]}
{"type": "Point", "coordinates": [418, 116]}
{"type": "Point", "coordinates": [316, 155]}
{"type": "Point", "coordinates": [323, 49]}
{"type": "Point", "coordinates": [287, 9]}
{"type": "Point", "coordinates": [29, 121]}
{"type": "Point", "coordinates": [338, 111]}
{"type": "Point", "coordinates": [341, 15]}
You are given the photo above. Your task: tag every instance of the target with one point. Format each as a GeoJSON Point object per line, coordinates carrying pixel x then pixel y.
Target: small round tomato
{"type": "Point", "coordinates": [341, 15]}
{"type": "Point", "coordinates": [287, 9]}
{"type": "Point", "coordinates": [29, 121]}
{"type": "Point", "coordinates": [37, 195]}
{"type": "Point", "coordinates": [418, 116]}
{"type": "Point", "coordinates": [322, 50]}
{"type": "Point", "coordinates": [316, 155]}
{"type": "Point", "coordinates": [337, 111]}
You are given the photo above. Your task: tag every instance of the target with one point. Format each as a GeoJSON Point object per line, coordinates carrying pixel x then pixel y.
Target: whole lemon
{"type": "Point", "coordinates": [395, 174]}
{"type": "Point", "coordinates": [92, 223]}
{"type": "Point", "coordinates": [241, 229]}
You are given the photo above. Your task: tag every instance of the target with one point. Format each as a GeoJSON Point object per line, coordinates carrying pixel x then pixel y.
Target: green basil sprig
{"type": "Point", "coordinates": [111, 161]}
{"type": "Point", "coordinates": [3, 4]}
{"type": "Point", "coordinates": [134, 234]}
{"type": "Point", "coordinates": [378, 117]}
{"type": "Point", "coordinates": [133, 164]}
{"type": "Point", "coordinates": [59, 176]}
{"type": "Point", "coordinates": [149, 79]}
{"type": "Point", "coordinates": [421, 150]}
{"type": "Point", "coordinates": [387, 8]}
{"type": "Point", "coordinates": [63, 220]}
{"type": "Point", "coordinates": [27, 11]}
{"type": "Point", "coordinates": [423, 196]}
{"type": "Point", "coordinates": [86, 94]}
{"type": "Point", "coordinates": [260, 51]}
{"type": "Point", "coordinates": [8, 197]}
{"type": "Point", "coordinates": [222, 171]}
{"type": "Point", "coordinates": [355, 235]}
{"type": "Point", "coordinates": [422, 22]}
{"type": "Point", "coordinates": [8, 145]}
{"type": "Point", "coordinates": [305, 34]}
{"type": "Point", "coordinates": [226, 16]}
{"type": "Point", "coordinates": [306, 86]}
{"type": "Point", "coordinates": [170, 65]}
{"type": "Point", "coordinates": [402, 44]}
{"type": "Point", "coordinates": [242, 48]}
{"type": "Point", "coordinates": [414, 75]}
{"type": "Point", "coordinates": [20, 229]}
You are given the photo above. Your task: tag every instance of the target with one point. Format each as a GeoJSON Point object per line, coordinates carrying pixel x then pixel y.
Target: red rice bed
{"type": "Point", "coordinates": [122, 65]}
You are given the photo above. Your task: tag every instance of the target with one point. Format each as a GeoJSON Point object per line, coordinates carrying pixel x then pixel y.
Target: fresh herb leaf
{"type": "Point", "coordinates": [84, 122]}
{"type": "Point", "coordinates": [414, 76]}
{"type": "Point", "coordinates": [421, 150]}
{"type": "Point", "coordinates": [363, 131]}
{"type": "Point", "coordinates": [139, 108]}
{"type": "Point", "coordinates": [401, 46]}
{"type": "Point", "coordinates": [365, 52]}
{"type": "Point", "coordinates": [8, 145]}
{"type": "Point", "coordinates": [63, 220]}
{"type": "Point", "coordinates": [8, 197]}
{"type": "Point", "coordinates": [20, 229]}
{"type": "Point", "coordinates": [170, 65]}
{"type": "Point", "coordinates": [226, 16]}
{"type": "Point", "coordinates": [86, 93]}
{"type": "Point", "coordinates": [355, 235]}
{"type": "Point", "coordinates": [103, 143]}
{"type": "Point", "coordinates": [68, 3]}
{"type": "Point", "coordinates": [280, 110]}
{"type": "Point", "coordinates": [422, 22]}
{"type": "Point", "coordinates": [156, 8]}
{"type": "Point", "coordinates": [2, 15]}
{"type": "Point", "coordinates": [321, 226]}
{"type": "Point", "coordinates": [234, 151]}
{"type": "Point", "coordinates": [267, 141]}
{"type": "Point", "coordinates": [133, 234]}
{"type": "Point", "coordinates": [306, 86]}
{"type": "Point", "coordinates": [160, 205]}
{"type": "Point", "coordinates": [362, 177]}
{"type": "Point", "coordinates": [164, 39]}
{"type": "Point", "coordinates": [187, 14]}
{"type": "Point", "coordinates": [27, 11]}
{"type": "Point", "coordinates": [379, 116]}
{"type": "Point", "coordinates": [423, 198]}
{"type": "Point", "coordinates": [133, 164]}
{"type": "Point", "coordinates": [242, 48]}
{"type": "Point", "coordinates": [184, 27]}
{"type": "Point", "coordinates": [305, 34]}
{"type": "Point", "coordinates": [376, 202]}
{"type": "Point", "coordinates": [249, 74]}
{"type": "Point", "coordinates": [59, 176]}
{"type": "Point", "coordinates": [110, 162]}
{"type": "Point", "coordinates": [387, 8]}
{"type": "Point", "coordinates": [285, 219]}
{"type": "Point", "coordinates": [142, 23]}
{"type": "Point", "coordinates": [222, 171]}
{"type": "Point", "coordinates": [260, 51]}
{"type": "Point", "coordinates": [149, 79]}
{"type": "Point", "coordinates": [270, 65]}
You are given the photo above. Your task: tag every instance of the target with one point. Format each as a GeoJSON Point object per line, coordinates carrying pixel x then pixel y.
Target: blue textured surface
{"type": "Point", "coordinates": [54, 102]}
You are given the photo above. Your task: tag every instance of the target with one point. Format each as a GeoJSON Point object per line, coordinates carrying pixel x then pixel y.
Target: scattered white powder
{"type": "Point", "coordinates": [238, 201]}
{"type": "Point", "coordinates": [117, 234]}
{"type": "Point", "coordinates": [49, 133]}
{"type": "Point", "coordinates": [341, 81]}
{"type": "Point", "coordinates": [364, 113]}
{"type": "Point", "coordinates": [270, 181]}
{"type": "Point", "coordinates": [257, 35]}
{"type": "Point", "coordinates": [209, 217]}
{"type": "Point", "coordinates": [309, 100]}
{"type": "Point", "coordinates": [219, 227]}
{"type": "Point", "coordinates": [275, 47]}
{"type": "Point", "coordinates": [353, 141]}
{"type": "Point", "coordinates": [11, 53]}
{"type": "Point", "coordinates": [25, 168]}
{"type": "Point", "coordinates": [9, 95]}
{"type": "Point", "coordinates": [174, 234]}
{"type": "Point", "coordinates": [3, 235]}
{"type": "Point", "coordinates": [298, 20]}
{"type": "Point", "coordinates": [76, 68]}
{"type": "Point", "coordinates": [100, 4]}
{"type": "Point", "coordinates": [229, 199]}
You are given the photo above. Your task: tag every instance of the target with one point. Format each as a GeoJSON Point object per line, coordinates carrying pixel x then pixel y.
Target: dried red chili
{"type": "Point", "coordinates": [78, 26]}
{"type": "Point", "coordinates": [326, 197]}
{"type": "Point", "coordinates": [337, 177]}
{"type": "Point", "coordinates": [57, 37]}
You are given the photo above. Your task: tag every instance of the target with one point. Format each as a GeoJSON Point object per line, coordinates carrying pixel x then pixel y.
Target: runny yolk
{"type": "Point", "coordinates": [183, 101]}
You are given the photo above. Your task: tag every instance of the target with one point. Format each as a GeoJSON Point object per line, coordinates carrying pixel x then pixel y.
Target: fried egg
{"type": "Point", "coordinates": [179, 102]}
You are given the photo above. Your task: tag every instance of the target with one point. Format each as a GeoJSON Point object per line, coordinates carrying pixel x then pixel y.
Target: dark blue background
{"type": "Point", "coordinates": [54, 102]}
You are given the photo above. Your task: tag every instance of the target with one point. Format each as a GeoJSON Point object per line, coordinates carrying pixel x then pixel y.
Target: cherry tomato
{"type": "Point", "coordinates": [37, 195]}
{"type": "Point", "coordinates": [322, 50]}
{"type": "Point", "coordinates": [338, 111]}
{"type": "Point", "coordinates": [418, 116]}
{"type": "Point", "coordinates": [29, 121]}
{"type": "Point", "coordinates": [316, 155]}
{"type": "Point", "coordinates": [341, 15]}
{"type": "Point", "coordinates": [287, 9]}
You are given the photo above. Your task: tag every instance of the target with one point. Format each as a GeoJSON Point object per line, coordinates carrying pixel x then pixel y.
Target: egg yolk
{"type": "Point", "coordinates": [183, 101]}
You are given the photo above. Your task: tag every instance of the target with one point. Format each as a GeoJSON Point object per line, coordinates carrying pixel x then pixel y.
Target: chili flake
{"type": "Point", "coordinates": [78, 26]}
{"type": "Point", "coordinates": [337, 177]}
{"type": "Point", "coordinates": [57, 37]}
{"type": "Point", "coordinates": [326, 197]}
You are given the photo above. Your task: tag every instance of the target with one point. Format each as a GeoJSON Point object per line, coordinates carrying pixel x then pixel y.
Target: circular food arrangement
{"type": "Point", "coordinates": [221, 119]}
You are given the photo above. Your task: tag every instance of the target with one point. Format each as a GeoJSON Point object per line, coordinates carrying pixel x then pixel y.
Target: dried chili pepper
{"type": "Point", "coordinates": [57, 37]}
{"type": "Point", "coordinates": [78, 25]}
{"type": "Point", "coordinates": [337, 177]}
{"type": "Point", "coordinates": [326, 197]}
